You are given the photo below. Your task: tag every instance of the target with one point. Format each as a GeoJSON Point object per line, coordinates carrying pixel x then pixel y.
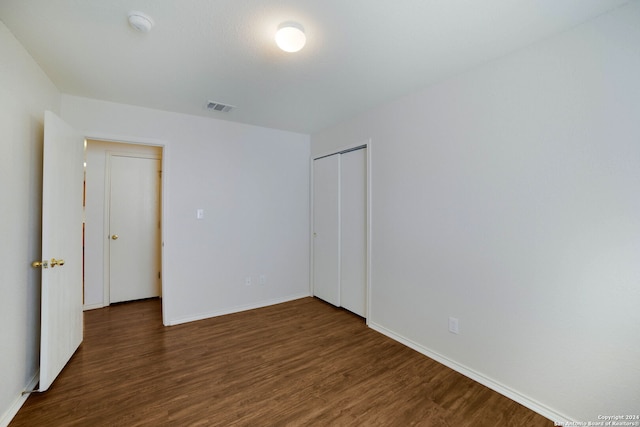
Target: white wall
{"type": "Point", "coordinates": [509, 197]}
{"type": "Point", "coordinates": [253, 184]}
{"type": "Point", "coordinates": [25, 93]}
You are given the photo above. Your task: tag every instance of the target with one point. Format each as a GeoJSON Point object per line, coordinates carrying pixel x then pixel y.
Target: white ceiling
{"type": "Point", "coordinates": [359, 53]}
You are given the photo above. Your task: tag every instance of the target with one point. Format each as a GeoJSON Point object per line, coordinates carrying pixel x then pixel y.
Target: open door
{"type": "Point", "coordinates": [61, 263]}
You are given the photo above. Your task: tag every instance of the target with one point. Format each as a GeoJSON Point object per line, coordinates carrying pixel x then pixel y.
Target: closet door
{"type": "Point", "coordinates": [326, 229]}
{"type": "Point", "coordinates": [353, 231]}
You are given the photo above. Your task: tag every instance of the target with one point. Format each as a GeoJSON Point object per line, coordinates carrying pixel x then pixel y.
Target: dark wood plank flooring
{"type": "Point", "coordinates": [299, 363]}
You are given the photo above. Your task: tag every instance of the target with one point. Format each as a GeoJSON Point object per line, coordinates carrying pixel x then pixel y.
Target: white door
{"type": "Point", "coordinates": [61, 263]}
{"type": "Point", "coordinates": [134, 228]}
{"type": "Point", "coordinates": [353, 231]}
{"type": "Point", "coordinates": [326, 229]}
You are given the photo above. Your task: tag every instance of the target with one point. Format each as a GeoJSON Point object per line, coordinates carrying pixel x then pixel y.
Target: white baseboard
{"type": "Point", "coordinates": [235, 309]}
{"type": "Point", "coordinates": [87, 307]}
{"type": "Point", "coordinates": [17, 404]}
{"type": "Point", "coordinates": [532, 404]}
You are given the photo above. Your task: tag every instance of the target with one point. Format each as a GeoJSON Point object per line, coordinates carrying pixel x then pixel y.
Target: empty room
{"type": "Point", "coordinates": [259, 212]}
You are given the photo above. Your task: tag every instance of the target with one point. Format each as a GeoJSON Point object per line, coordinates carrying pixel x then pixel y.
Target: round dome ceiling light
{"type": "Point", "coordinates": [140, 21]}
{"type": "Point", "coordinates": [290, 37]}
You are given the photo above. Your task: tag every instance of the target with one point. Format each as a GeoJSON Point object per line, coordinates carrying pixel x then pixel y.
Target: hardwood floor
{"type": "Point", "coordinates": [299, 363]}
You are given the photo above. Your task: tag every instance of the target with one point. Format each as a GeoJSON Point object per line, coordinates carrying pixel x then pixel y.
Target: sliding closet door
{"type": "Point", "coordinates": [326, 229]}
{"type": "Point", "coordinates": [353, 231]}
{"type": "Point", "coordinates": [340, 229]}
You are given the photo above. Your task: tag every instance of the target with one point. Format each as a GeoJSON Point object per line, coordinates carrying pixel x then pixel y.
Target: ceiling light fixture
{"type": "Point", "coordinates": [140, 21]}
{"type": "Point", "coordinates": [290, 37]}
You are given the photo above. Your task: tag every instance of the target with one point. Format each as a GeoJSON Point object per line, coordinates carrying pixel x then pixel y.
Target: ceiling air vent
{"type": "Point", "coordinates": [216, 106]}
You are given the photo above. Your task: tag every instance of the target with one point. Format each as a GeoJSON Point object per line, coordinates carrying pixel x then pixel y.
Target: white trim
{"type": "Point", "coordinates": [99, 136]}
{"type": "Point", "coordinates": [494, 385]}
{"type": "Point", "coordinates": [339, 298]}
{"type": "Point", "coordinates": [17, 404]}
{"type": "Point", "coordinates": [164, 203]}
{"type": "Point", "coordinates": [369, 233]}
{"type": "Point", "coordinates": [235, 309]}
{"type": "Point", "coordinates": [106, 257]}
{"type": "Point", "coordinates": [311, 217]}
{"type": "Point", "coordinates": [87, 307]}
{"type": "Point", "coordinates": [133, 154]}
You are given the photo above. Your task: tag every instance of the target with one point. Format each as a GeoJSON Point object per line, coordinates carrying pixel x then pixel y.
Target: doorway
{"type": "Point", "coordinates": [113, 164]}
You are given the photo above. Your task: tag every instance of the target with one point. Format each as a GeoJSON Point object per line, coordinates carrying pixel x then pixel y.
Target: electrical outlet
{"type": "Point", "coordinates": [247, 281]}
{"type": "Point", "coordinates": [454, 325]}
{"type": "Point", "coordinates": [263, 279]}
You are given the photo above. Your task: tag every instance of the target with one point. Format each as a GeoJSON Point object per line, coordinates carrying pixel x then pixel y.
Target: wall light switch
{"type": "Point", "coordinates": [454, 326]}
{"type": "Point", "coordinates": [200, 214]}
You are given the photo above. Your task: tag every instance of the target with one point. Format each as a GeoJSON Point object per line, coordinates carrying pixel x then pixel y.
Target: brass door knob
{"type": "Point", "coordinates": [39, 264]}
{"type": "Point", "coordinates": [114, 237]}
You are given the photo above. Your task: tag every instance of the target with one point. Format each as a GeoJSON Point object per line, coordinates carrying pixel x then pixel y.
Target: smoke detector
{"type": "Point", "coordinates": [140, 21]}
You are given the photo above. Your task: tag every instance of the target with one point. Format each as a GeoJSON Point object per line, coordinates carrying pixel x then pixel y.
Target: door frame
{"type": "Point", "coordinates": [106, 262]}
{"type": "Point", "coordinates": [163, 145]}
{"type": "Point", "coordinates": [366, 144]}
